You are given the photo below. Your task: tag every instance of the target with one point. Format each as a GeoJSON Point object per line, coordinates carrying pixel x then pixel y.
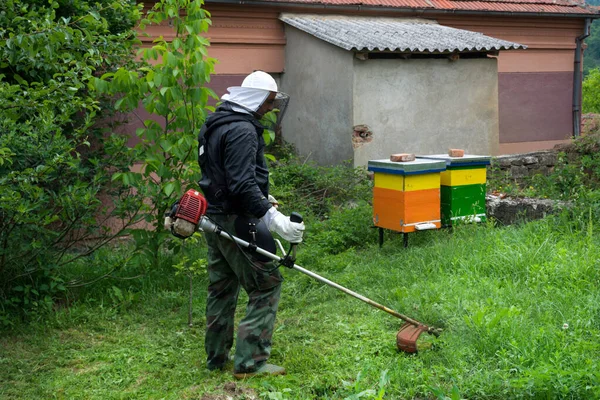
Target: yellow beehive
{"type": "Point", "coordinates": [406, 196]}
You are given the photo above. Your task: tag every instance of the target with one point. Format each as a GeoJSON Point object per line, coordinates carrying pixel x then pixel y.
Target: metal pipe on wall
{"type": "Point", "coordinates": [577, 80]}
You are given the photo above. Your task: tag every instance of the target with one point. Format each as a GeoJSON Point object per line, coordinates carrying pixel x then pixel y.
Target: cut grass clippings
{"type": "Point", "coordinates": [519, 306]}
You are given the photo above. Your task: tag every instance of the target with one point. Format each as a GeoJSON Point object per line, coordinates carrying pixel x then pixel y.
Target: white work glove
{"type": "Point", "coordinates": [273, 201]}
{"type": "Point", "coordinates": [280, 224]}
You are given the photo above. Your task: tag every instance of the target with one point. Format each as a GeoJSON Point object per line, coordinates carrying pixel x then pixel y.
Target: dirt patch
{"type": "Point", "coordinates": [232, 391]}
{"type": "Point", "coordinates": [81, 367]}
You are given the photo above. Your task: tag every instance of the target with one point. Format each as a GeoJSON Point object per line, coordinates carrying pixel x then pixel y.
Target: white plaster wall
{"type": "Point", "coordinates": [318, 77]}
{"type": "Point", "coordinates": [426, 106]}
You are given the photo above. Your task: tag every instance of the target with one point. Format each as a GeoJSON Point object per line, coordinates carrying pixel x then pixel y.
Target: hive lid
{"type": "Point", "coordinates": [466, 160]}
{"type": "Point", "coordinates": [419, 166]}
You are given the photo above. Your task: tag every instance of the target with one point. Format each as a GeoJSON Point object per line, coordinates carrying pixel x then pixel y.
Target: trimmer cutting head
{"type": "Point", "coordinates": [406, 339]}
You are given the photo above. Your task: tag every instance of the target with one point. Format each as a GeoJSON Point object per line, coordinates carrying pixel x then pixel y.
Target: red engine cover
{"type": "Point", "coordinates": [192, 206]}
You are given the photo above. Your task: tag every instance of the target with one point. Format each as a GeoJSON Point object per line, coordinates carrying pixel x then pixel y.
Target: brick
{"type": "Point", "coordinates": [402, 157]}
{"type": "Point", "coordinates": [456, 152]}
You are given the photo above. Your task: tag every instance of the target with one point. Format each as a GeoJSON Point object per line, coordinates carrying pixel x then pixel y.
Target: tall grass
{"type": "Point", "coordinates": [519, 306]}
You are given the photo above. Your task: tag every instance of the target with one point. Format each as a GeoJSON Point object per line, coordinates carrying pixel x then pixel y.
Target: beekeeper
{"type": "Point", "coordinates": [235, 181]}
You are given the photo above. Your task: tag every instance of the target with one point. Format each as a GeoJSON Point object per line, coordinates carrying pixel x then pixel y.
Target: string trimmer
{"type": "Point", "coordinates": [189, 216]}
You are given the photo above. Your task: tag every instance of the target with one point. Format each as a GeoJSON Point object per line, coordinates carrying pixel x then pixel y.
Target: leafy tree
{"type": "Point", "coordinates": [591, 92]}
{"type": "Point", "coordinates": [591, 57]}
{"type": "Point", "coordinates": [171, 86]}
{"type": "Point", "coordinates": [52, 168]}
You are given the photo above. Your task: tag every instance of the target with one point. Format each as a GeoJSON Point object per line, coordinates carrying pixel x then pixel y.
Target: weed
{"type": "Point", "coordinates": [576, 173]}
{"type": "Point", "coordinates": [319, 190]}
{"type": "Point", "coordinates": [519, 306]}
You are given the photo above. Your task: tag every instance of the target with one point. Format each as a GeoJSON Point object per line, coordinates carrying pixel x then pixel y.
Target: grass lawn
{"type": "Point", "coordinates": [520, 308]}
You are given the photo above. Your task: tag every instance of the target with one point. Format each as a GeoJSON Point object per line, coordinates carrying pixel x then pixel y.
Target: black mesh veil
{"type": "Point", "coordinates": [280, 104]}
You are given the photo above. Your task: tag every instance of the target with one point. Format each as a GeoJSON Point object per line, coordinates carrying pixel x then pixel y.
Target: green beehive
{"type": "Point", "coordinates": [463, 188]}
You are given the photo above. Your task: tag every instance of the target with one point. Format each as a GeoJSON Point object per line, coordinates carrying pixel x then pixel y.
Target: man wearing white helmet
{"type": "Point", "coordinates": [235, 181]}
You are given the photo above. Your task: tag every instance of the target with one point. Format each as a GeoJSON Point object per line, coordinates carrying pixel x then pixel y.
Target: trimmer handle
{"type": "Point", "coordinates": [297, 218]}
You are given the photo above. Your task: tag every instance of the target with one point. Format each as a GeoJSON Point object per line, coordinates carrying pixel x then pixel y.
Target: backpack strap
{"type": "Point", "coordinates": [205, 132]}
{"type": "Point", "coordinates": [207, 186]}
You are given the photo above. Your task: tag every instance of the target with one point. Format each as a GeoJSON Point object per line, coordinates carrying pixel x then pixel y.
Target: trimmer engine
{"type": "Point", "coordinates": [190, 209]}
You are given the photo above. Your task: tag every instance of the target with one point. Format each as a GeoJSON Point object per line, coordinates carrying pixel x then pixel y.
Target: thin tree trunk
{"type": "Point", "coordinates": [190, 324]}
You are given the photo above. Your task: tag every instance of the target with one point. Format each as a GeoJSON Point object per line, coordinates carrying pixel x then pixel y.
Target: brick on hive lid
{"type": "Point", "coordinates": [456, 152]}
{"type": "Point", "coordinates": [402, 157]}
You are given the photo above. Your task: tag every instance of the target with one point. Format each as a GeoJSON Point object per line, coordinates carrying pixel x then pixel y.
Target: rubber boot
{"type": "Point", "coordinates": [267, 369]}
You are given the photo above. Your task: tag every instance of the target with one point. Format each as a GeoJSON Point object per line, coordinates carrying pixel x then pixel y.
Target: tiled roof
{"type": "Point", "coordinates": [510, 6]}
{"type": "Point", "coordinates": [394, 34]}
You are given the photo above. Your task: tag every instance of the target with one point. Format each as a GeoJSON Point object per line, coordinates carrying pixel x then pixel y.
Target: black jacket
{"type": "Point", "coordinates": [235, 177]}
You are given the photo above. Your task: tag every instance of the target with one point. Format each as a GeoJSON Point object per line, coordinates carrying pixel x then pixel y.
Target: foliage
{"type": "Point", "coordinates": [191, 267]}
{"type": "Point", "coordinates": [51, 169]}
{"type": "Point", "coordinates": [318, 190]}
{"type": "Point", "coordinates": [342, 229]}
{"type": "Point", "coordinates": [269, 121]}
{"type": "Point", "coordinates": [591, 92]}
{"type": "Point", "coordinates": [335, 203]}
{"type": "Point", "coordinates": [591, 56]}
{"type": "Point", "coordinates": [575, 175]}
{"type": "Point", "coordinates": [170, 87]}
{"type": "Point", "coordinates": [519, 307]}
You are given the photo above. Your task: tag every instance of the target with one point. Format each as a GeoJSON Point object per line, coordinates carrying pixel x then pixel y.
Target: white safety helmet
{"type": "Point", "coordinates": [253, 92]}
{"type": "Point", "coordinates": [260, 80]}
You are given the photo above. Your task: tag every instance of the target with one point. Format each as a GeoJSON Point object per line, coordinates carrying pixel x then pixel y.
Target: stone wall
{"type": "Point", "coordinates": [525, 165]}
{"type": "Point", "coordinates": [507, 211]}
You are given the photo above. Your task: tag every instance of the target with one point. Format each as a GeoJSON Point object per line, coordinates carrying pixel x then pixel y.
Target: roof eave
{"type": "Point", "coordinates": [436, 52]}
{"type": "Point", "coordinates": [419, 11]}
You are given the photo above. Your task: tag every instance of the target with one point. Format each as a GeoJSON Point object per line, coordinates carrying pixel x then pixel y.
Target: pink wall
{"type": "Point", "coordinates": [535, 85]}
{"type": "Point", "coordinates": [243, 39]}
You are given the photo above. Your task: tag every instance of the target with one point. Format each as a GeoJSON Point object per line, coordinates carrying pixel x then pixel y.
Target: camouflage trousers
{"type": "Point", "coordinates": [228, 270]}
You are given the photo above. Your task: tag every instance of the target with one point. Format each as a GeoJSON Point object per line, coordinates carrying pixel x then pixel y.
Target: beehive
{"type": "Point", "coordinates": [463, 187]}
{"type": "Point", "coordinates": [406, 195]}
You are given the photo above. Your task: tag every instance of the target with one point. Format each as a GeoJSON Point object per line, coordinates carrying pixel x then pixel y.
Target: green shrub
{"type": "Point", "coordinates": [52, 170]}
{"type": "Point", "coordinates": [171, 87]}
{"type": "Point", "coordinates": [335, 203]}
{"type": "Point", "coordinates": [590, 89]}
{"type": "Point", "coordinates": [576, 172]}
{"type": "Point", "coordinates": [318, 190]}
{"type": "Point", "coordinates": [343, 229]}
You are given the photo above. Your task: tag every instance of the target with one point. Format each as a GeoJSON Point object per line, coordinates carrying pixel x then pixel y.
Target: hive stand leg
{"type": "Point", "coordinates": [380, 237]}
{"type": "Point", "coordinates": [405, 239]}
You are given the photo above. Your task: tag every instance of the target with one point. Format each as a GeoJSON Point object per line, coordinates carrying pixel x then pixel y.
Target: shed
{"type": "Point", "coordinates": [365, 87]}
{"type": "Point", "coordinates": [539, 89]}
